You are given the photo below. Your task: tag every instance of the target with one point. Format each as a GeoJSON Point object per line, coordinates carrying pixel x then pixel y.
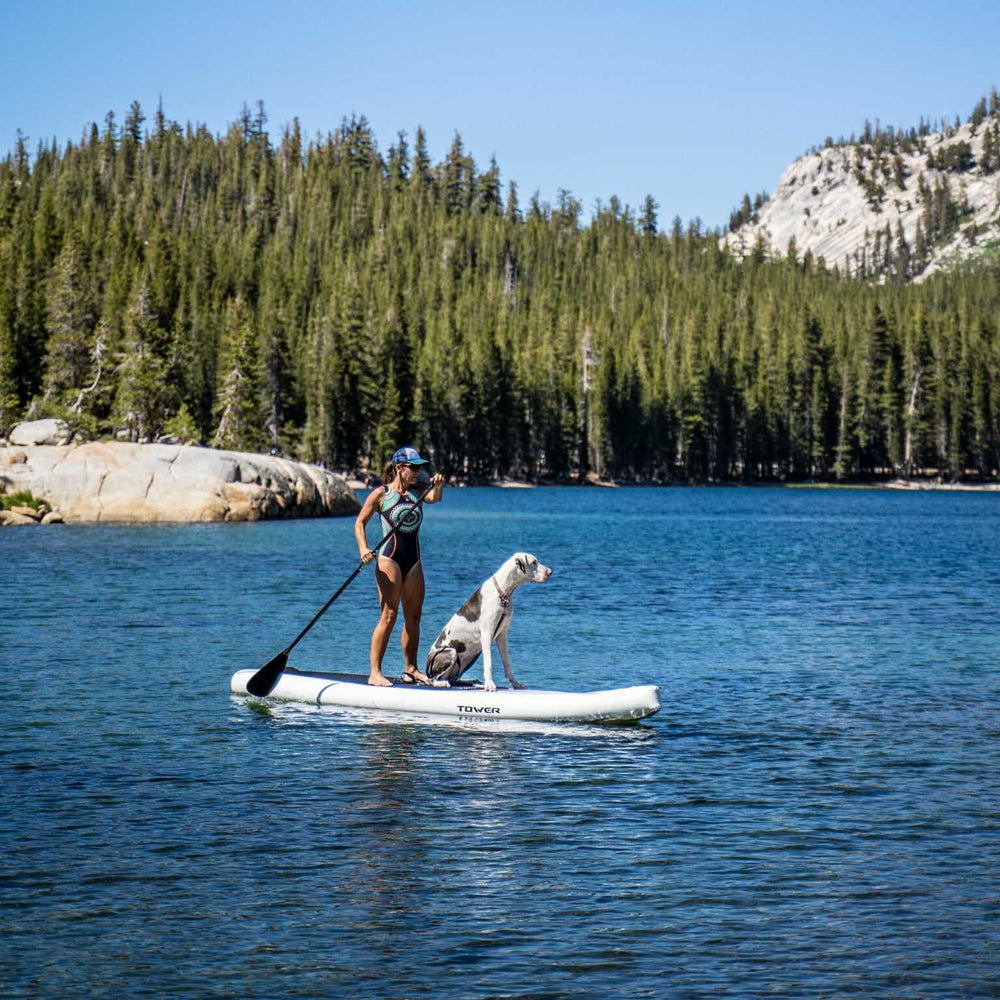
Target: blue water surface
{"type": "Point", "coordinates": [813, 813]}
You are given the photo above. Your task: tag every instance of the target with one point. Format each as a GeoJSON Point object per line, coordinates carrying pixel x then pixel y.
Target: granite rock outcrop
{"type": "Point", "coordinates": [113, 481]}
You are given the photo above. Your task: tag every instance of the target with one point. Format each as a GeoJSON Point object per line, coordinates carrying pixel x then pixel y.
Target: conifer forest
{"type": "Point", "coordinates": [333, 300]}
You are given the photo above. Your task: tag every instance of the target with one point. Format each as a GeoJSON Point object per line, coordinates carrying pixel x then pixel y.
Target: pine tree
{"type": "Point", "coordinates": [354, 380]}
{"type": "Point", "coordinates": [456, 179]}
{"type": "Point", "coordinates": [389, 425]}
{"type": "Point", "coordinates": [647, 224]}
{"type": "Point", "coordinates": [989, 161]}
{"type": "Point", "coordinates": [143, 399]}
{"type": "Point", "coordinates": [917, 367]}
{"type": "Point", "coordinates": [399, 163]}
{"type": "Point", "coordinates": [421, 175]}
{"type": "Point", "coordinates": [513, 210]}
{"type": "Point", "coordinates": [919, 248]}
{"type": "Point", "coordinates": [71, 323]}
{"type": "Point", "coordinates": [978, 115]}
{"type": "Point", "coordinates": [9, 404]}
{"type": "Point", "coordinates": [131, 140]}
{"type": "Point", "coordinates": [239, 408]}
{"type": "Point", "coordinates": [490, 199]}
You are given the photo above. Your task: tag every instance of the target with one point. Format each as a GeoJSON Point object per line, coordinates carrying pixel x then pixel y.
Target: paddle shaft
{"type": "Point", "coordinates": [323, 610]}
{"type": "Point", "coordinates": [264, 680]}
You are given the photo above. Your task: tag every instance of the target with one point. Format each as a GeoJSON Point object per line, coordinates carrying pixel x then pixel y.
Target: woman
{"type": "Point", "coordinates": [398, 572]}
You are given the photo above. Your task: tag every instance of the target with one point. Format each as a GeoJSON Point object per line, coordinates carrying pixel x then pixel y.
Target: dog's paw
{"type": "Point", "coordinates": [489, 686]}
{"type": "Point", "coordinates": [518, 685]}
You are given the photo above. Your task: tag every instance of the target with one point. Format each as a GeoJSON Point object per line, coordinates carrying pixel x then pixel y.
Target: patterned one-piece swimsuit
{"type": "Point", "coordinates": [403, 511]}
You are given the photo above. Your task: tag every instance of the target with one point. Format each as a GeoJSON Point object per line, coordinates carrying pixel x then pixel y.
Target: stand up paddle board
{"type": "Point", "coordinates": [464, 700]}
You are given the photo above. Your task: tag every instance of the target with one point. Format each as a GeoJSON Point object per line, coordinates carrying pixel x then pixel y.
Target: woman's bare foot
{"type": "Point", "coordinates": [378, 679]}
{"type": "Point", "coordinates": [414, 676]}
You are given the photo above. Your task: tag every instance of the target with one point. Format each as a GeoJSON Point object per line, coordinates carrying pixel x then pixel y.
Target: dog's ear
{"type": "Point", "coordinates": [520, 564]}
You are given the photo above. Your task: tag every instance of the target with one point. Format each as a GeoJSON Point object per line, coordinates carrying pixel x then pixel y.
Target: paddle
{"type": "Point", "coordinates": [262, 683]}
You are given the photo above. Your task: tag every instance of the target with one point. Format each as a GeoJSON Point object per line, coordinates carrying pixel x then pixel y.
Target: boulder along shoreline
{"type": "Point", "coordinates": [100, 482]}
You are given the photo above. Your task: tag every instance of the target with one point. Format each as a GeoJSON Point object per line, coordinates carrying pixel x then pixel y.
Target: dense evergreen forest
{"type": "Point", "coordinates": [334, 300]}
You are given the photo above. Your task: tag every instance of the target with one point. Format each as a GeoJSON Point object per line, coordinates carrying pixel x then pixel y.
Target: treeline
{"type": "Point", "coordinates": [333, 301]}
{"type": "Point", "coordinates": [913, 140]}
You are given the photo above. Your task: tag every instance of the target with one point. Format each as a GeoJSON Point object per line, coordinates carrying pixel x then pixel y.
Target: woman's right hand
{"type": "Point", "coordinates": [367, 556]}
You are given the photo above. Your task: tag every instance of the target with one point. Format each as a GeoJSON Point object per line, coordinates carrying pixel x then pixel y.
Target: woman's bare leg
{"type": "Point", "coordinates": [413, 605]}
{"type": "Point", "coordinates": [390, 586]}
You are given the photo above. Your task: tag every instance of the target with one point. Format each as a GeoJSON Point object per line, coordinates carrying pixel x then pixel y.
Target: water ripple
{"type": "Point", "coordinates": [813, 813]}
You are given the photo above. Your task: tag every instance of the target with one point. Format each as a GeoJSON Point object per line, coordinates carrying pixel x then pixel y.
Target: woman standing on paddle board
{"type": "Point", "coordinates": [398, 572]}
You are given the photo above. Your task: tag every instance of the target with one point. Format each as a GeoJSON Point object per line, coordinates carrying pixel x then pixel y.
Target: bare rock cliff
{"type": "Point", "coordinates": [897, 207]}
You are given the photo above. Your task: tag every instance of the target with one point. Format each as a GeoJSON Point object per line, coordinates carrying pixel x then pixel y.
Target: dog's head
{"type": "Point", "coordinates": [529, 568]}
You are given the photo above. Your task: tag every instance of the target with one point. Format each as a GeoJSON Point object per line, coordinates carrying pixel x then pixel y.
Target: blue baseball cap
{"type": "Point", "coordinates": [408, 454]}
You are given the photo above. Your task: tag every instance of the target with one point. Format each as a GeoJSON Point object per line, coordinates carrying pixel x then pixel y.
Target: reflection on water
{"type": "Point", "coordinates": [291, 713]}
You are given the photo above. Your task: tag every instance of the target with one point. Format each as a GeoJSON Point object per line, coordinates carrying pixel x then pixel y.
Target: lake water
{"type": "Point", "coordinates": [814, 812]}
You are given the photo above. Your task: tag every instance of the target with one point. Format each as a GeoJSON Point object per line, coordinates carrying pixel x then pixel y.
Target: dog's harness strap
{"type": "Point", "coordinates": [505, 605]}
{"type": "Point", "coordinates": [504, 598]}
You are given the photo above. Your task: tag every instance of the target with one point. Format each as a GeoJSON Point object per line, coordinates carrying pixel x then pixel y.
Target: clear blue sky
{"type": "Point", "coordinates": [693, 102]}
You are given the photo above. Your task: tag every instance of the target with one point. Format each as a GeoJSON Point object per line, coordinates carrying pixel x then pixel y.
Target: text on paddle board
{"type": "Point", "coordinates": [481, 710]}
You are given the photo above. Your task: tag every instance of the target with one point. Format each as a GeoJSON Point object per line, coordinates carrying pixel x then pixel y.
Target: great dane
{"type": "Point", "coordinates": [481, 621]}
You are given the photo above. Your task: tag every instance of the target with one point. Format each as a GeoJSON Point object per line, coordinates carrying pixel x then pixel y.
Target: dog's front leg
{"type": "Point", "coordinates": [505, 656]}
{"type": "Point", "coordinates": [486, 638]}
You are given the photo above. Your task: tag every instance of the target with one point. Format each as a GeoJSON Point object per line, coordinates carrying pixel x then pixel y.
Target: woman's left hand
{"type": "Point", "coordinates": [437, 480]}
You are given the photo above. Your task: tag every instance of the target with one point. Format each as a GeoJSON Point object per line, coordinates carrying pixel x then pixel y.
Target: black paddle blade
{"type": "Point", "coordinates": [262, 683]}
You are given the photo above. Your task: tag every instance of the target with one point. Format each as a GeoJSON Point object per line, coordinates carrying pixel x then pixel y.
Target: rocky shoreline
{"type": "Point", "coordinates": [42, 514]}
{"type": "Point", "coordinates": [914, 485]}
{"type": "Point", "coordinates": [104, 481]}
{"type": "Point", "coordinates": [107, 481]}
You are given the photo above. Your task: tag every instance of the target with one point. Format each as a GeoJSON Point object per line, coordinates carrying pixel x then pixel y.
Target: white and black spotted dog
{"type": "Point", "coordinates": [481, 621]}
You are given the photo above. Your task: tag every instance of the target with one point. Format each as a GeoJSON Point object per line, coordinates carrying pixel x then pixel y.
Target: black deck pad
{"type": "Point", "coordinates": [396, 681]}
